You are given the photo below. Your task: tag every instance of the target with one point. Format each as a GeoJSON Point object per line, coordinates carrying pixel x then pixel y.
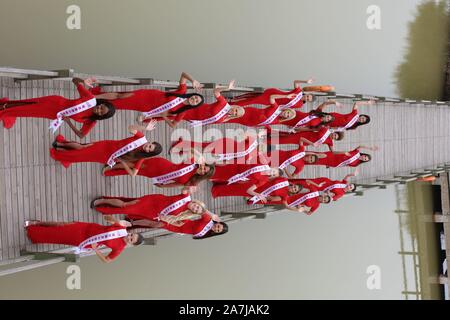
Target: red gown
{"type": "Point", "coordinates": [224, 146]}
{"type": "Point", "coordinates": [324, 183]}
{"type": "Point", "coordinates": [300, 116]}
{"type": "Point", "coordinates": [264, 97]}
{"type": "Point", "coordinates": [240, 189]}
{"type": "Point", "coordinates": [224, 172]}
{"type": "Point", "coordinates": [294, 138]}
{"type": "Point", "coordinates": [157, 166]}
{"type": "Point", "coordinates": [48, 107]}
{"type": "Point", "coordinates": [203, 112]}
{"type": "Point", "coordinates": [333, 160]}
{"type": "Point", "coordinates": [341, 120]}
{"type": "Point", "coordinates": [253, 117]}
{"type": "Point", "coordinates": [148, 207]}
{"type": "Point", "coordinates": [278, 157]}
{"type": "Point", "coordinates": [312, 203]}
{"type": "Point", "coordinates": [191, 226]}
{"type": "Point", "coordinates": [145, 100]}
{"type": "Point", "coordinates": [99, 151]}
{"type": "Point", "coordinates": [74, 234]}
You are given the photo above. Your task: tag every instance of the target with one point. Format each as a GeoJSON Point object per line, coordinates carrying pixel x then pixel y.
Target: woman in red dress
{"type": "Point", "coordinates": [209, 225]}
{"type": "Point", "coordinates": [220, 150]}
{"type": "Point", "coordinates": [306, 202]}
{"type": "Point", "coordinates": [312, 137]}
{"type": "Point", "coordinates": [216, 112]}
{"type": "Point", "coordinates": [129, 152]}
{"type": "Point", "coordinates": [83, 236]}
{"type": "Point", "coordinates": [166, 174]}
{"type": "Point", "coordinates": [336, 189]}
{"type": "Point", "coordinates": [348, 121]}
{"type": "Point", "coordinates": [343, 159]}
{"type": "Point", "coordinates": [283, 159]}
{"type": "Point", "coordinates": [291, 99]}
{"type": "Point", "coordinates": [157, 207]}
{"type": "Point", "coordinates": [152, 102]}
{"type": "Point", "coordinates": [234, 173]}
{"type": "Point", "coordinates": [275, 189]}
{"type": "Point", "coordinates": [299, 120]}
{"type": "Point", "coordinates": [86, 109]}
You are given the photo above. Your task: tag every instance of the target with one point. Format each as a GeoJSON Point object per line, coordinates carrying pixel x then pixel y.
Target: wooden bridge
{"type": "Point", "coordinates": [413, 137]}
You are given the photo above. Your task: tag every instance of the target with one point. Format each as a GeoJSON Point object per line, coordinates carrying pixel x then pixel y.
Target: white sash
{"type": "Point", "coordinates": [324, 137]}
{"type": "Point", "coordinates": [307, 196]}
{"type": "Point", "coordinates": [235, 155]}
{"type": "Point", "coordinates": [348, 125]}
{"type": "Point", "coordinates": [243, 176]}
{"type": "Point", "coordinates": [125, 149]}
{"type": "Point", "coordinates": [120, 233]}
{"type": "Point", "coordinates": [217, 117]}
{"type": "Point", "coordinates": [272, 117]}
{"type": "Point", "coordinates": [165, 178]}
{"type": "Point", "coordinates": [348, 161]}
{"type": "Point", "coordinates": [205, 229]}
{"type": "Point", "coordinates": [271, 189]}
{"type": "Point", "coordinates": [293, 101]}
{"type": "Point", "coordinates": [335, 186]}
{"type": "Point", "coordinates": [174, 206]}
{"type": "Point", "coordinates": [167, 106]}
{"type": "Point", "coordinates": [292, 159]}
{"type": "Point", "coordinates": [305, 120]}
{"type": "Point", "coordinates": [55, 124]}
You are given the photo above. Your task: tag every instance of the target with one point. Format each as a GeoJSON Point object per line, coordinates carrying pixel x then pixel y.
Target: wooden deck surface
{"type": "Point", "coordinates": [34, 186]}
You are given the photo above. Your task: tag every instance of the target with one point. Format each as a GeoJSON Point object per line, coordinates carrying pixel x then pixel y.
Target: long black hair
{"type": "Point", "coordinates": [211, 233]}
{"type": "Point", "coordinates": [196, 178]}
{"type": "Point", "coordinates": [140, 240]}
{"type": "Point", "coordinates": [321, 114]}
{"type": "Point", "coordinates": [365, 154]}
{"type": "Point", "coordinates": [186, 96]}
{"type": "Point", "coordinates": [141, 154]}
{"type": "Point", "coordinates": [357, 124]}
{"type": "Point", "coordinates": [109, 114]}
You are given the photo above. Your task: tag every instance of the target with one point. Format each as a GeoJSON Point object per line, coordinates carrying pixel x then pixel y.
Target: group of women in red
{"type": "Point", "coordinates": [235, 167]}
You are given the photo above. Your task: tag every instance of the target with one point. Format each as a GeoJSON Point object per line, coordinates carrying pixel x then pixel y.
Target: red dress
{"type": "Point", "coordinates": [312, 203]}
{"type": "Point", "coordinates": [149, 207]}
{"type": "Point", "coordinates": [313, 122]}
{"type": "Point", "coordinates": [224, 146]}
{"type": "Point", "coordinates": [190, 226]}
{"type": "Point", "coordinates": [48, 107]}
{"type": "Point", "coordinates": [145, 100]}
{"type": "Point", "coordinates": [157, 166]}
{"type": "Point", "coordinates": [74, 234]}
{"type": "Point", "coordinates": [203, 112]}
{"type": "Point", "coordinates": [99, 151]}
{"type": "Point", "coordinates": [264, 97]}
{"type": "Point", "coordinates": [223, 173]}
{"type": "Point", "coordinates": [294, 138]}
{"type": "Point", "coordinates": [278, 157]}
{"type": "Point", "coordinates": [254, 117]}
{"type": "Point", "coordinates": [334, 160]}
{"type": "Point", "coordinates": [341, 120]}
{"type": "Point", "coordinates": [324, 184]}
{"type": "Point", "coordinates": [240, 189]}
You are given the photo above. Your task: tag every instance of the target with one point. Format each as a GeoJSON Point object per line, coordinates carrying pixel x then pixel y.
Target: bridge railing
{"type": "Point", "coordinates": [67, 74]}
{"type": "Point", "coordinates": [32, 260]}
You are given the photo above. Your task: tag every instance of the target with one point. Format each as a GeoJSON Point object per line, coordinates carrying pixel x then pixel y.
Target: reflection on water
{"type": "Point", "coordinates": [419, 239]}
{"type": "Point", "coordinates": [422, 74]}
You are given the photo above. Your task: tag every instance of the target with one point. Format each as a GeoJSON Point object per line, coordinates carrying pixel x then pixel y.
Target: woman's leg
{"type": "Point", "coordinates": [114, 202]}
{"type": "Point", "coordinates": [71, 145]}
